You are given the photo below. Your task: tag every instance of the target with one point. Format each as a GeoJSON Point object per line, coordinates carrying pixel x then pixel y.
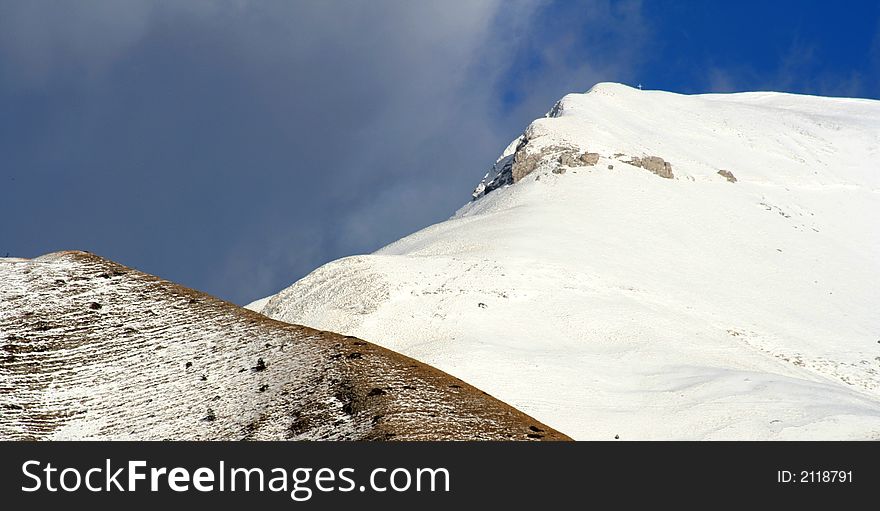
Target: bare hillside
{"type": "Point", "coordinates": [90, 349]}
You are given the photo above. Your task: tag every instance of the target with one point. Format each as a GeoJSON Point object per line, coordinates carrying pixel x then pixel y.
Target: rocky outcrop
{"type": "Point", "coordinates": [498, 176]}
{"type": "Point", "coordinates": [654, 164]}
{"type": "Point", "coordinates": [525, 160]}
{"type": "Point", "coordinates": [525, 163]}
{"type": "Point", "coordinates": [556, 111]}
{"type": "Point", "coordinates": [728, 175]}
{"type": "Point", "coordinates": [573, 159]}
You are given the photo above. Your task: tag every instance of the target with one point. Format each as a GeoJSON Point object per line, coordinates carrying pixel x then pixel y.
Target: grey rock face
{"type": "Point", "coordinates": [569, 159]}
{"type": "Point", "coordinates": [589, 159]}
{"type": "Point", "coordinates": [572, 159]}
{"type": "Point", "coordinates": [498, 176]}
{"type": "Point", "coordinates": [654, 164]}
{"type": "Point", "coordinates": [525, 162]}
{"type": "Point", "coordinates": [556, 111]}
{"type": "Point", "coordinates": [522, 162]}
{"type": "Point", "coordinates": [728, 175]}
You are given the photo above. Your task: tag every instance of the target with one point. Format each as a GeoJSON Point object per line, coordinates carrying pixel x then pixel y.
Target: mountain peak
{"type": "Point", "coordinates": [713, 256]}
{"type": "Point", "coordinates": [773, 138]}
{"type": "Point", "coordinates": [611, 88]}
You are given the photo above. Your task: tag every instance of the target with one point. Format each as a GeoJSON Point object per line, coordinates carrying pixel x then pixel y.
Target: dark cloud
{"type": "Point", "coordinates": [235, 146]}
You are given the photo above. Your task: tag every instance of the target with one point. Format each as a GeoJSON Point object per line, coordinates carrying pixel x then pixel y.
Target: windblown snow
{"type": "Point", "coordinates": [648, 265]}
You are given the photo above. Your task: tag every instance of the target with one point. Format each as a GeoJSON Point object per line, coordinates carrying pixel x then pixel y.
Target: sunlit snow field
{"type": "Point", "coordinates": [612, 302]}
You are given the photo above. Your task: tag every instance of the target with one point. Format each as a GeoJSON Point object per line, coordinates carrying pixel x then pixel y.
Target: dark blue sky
{"type": "Point", "coordinates": [235, 146]}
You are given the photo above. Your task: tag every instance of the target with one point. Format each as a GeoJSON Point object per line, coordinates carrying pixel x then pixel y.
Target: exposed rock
{"type": "Point", "coordinates": [654, 164]}
{"type": "Point", "coordinates": [589, 159]}
{"type": "Point", "coordinates": [524, 164]}
{"type": "Point", "coordinates": [511, 169]}
{"type": "Point", "coordinates": [572, 159]}
{"type": "Point", "coordinates": [569, 159]}
{"type": "Point", "coordinates": [728, 175]}
{"type": "Point", "coordinates": [501, 173]}
{"type": "Point", "coordinates": [556, 111]}
{"type": "Point", "coordinates": [559, 170]}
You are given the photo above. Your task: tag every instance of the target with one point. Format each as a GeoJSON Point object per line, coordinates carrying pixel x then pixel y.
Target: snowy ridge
{"type": "Point", "coordinates": [90, 349]}
{"type": "Point", "coordinates": [649, 265]}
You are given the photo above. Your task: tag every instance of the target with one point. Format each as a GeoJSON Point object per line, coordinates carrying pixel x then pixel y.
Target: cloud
{"type": "Point", "coordinates": [40, 40]}
{"type": "Point", "coordinates": [571, 46]}
{"type": "Point", "coordinates": [236, 145]}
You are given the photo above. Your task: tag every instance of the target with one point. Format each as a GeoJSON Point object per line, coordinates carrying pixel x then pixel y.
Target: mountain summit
{"type": "Point", "coordinates": [648, 265]}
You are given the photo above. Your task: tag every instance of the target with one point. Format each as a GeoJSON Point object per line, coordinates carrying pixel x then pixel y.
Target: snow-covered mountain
{"type": "Point", "coordinates": [648, 265]}
{"type": "Point", "coordinates": [90, 349]}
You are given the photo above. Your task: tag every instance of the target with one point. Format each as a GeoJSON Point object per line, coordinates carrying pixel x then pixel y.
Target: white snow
{"type": "Point", "coordinates": [257, 305]}
{"type": "Point", "coordinates": [615, 302]}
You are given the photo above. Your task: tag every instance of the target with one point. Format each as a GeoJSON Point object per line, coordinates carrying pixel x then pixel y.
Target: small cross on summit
{"type": "Point", "coordinates": [640, 86]}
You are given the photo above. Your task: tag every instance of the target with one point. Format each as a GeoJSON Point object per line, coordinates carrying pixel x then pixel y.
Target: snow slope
{"type": "Point", "coordinates": [613, 301]}
{"type": "Point", "coordinates": [90, 349]}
